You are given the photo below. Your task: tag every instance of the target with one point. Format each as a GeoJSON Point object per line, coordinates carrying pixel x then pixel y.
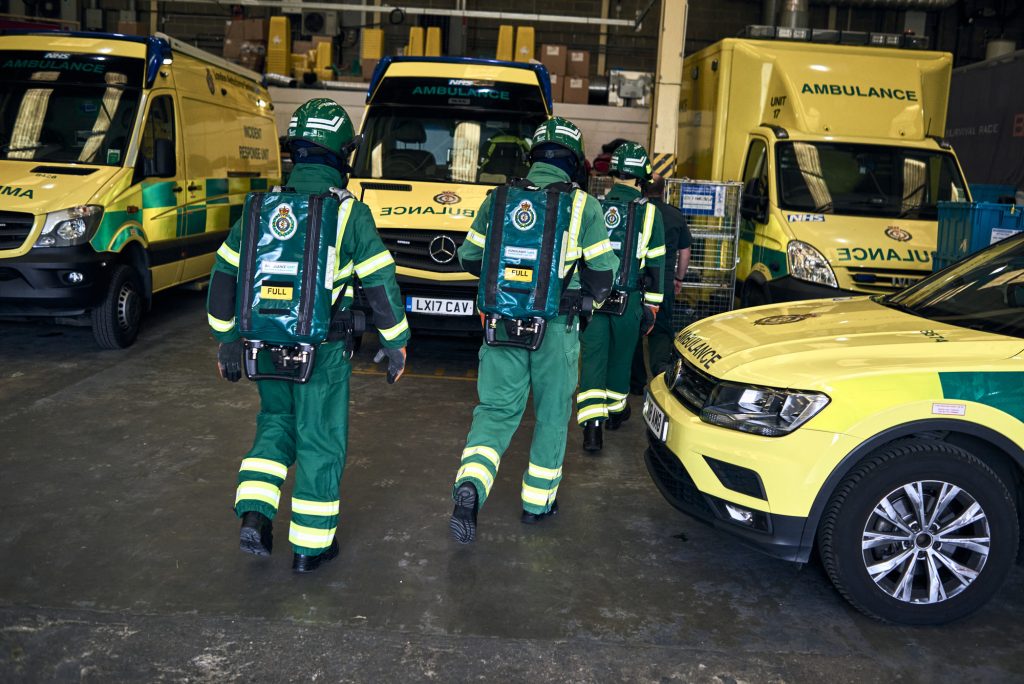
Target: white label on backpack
{"type": "Point", "coordinates": [329, 271]}
{"type": "Point", "coordinates": [280, 267]}
{"type": "Point", "coordinates": [521, 253]}
{"type": "Point", "coordinates": [617, 246]}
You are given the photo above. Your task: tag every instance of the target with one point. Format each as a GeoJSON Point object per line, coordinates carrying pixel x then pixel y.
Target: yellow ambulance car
{"type": "Point", "coordinates": [840, 151]}
{"type": "Point", "coordinates": [123, 161]}
{"type": "Point", "coordinates": [888, 431]}
{"type": "Point", "coordinates": [439, 133]}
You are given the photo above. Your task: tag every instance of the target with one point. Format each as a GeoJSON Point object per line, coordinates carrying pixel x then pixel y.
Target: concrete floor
{"type": "Point", "coordinates": [120, 561]}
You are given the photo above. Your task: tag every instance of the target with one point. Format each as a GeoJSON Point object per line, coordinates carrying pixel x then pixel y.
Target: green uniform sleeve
{"type": "Point", "coordinates": [472, 248]}
{"type": "Point", "coordinates": [597, 250]}
{"type": "Point", "coordinates": [220, 299]}
{"type": "Point", "coordinates": [376, 270]}
{"type": "Point", "coordinates": [654, 261]}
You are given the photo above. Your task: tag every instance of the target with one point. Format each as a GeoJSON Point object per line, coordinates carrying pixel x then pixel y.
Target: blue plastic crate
{"type": "Point", "coordinates": [966, 227]}
{"type": "Point", "coordinates": [982, 192]}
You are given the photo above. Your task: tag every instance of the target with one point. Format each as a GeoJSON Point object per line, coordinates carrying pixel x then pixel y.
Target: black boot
{"type": "Point", "coordinates": [257, 535]}
{"type": "Point", "coordinates": [593, 440]}
{"type": "Point", "coordinates": [302, 563]}
{"type": "Point", "coordinates": [463, 522]}
{"type": "Point", "coordinates": [534, 518]}
{"type": "Point", "coordinates": [615, 420]}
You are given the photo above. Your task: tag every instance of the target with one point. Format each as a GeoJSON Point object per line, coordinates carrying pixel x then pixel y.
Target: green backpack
{"type": "Point", "coordinates": [629, 226]}
{"type": "Point", "coordinates": [286, 274]}
{"type": "Point", "coordinates": [530, 253]}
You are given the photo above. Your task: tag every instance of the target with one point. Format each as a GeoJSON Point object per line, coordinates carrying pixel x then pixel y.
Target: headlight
{"type": "Point", "coordinates": [807, 263]}
{"type": "Point", "coordinates": [74, 226]}
{"type": "Point", "coordinates": [761, 410]}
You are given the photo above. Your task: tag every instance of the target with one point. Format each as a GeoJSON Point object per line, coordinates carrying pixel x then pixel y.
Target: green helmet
{"type": "Point", "coordinates": [323, 122]}
{"type": "Point", "coordinates": [630, 160]}
{"type": "Point", "coordinates": [560, 132]}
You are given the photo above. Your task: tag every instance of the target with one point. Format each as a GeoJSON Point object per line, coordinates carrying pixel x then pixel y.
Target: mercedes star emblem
{"type": "Point", "coordinates": [442, 249]}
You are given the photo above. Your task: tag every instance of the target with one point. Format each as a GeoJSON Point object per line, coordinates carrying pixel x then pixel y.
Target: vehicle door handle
{"type": "Point", "coordinates": [176, 188]}
{"type": "Point", "coordinates": [193, 187]}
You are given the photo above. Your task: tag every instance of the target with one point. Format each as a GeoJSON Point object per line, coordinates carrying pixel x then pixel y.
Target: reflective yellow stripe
{"type": "Point", "coordinates": [597, 249]}
{"type": "Point", "coordinates": [597, 411]}
{"type": "Point", "coordinates": [654, 297]}
{"type": "Point", "coordinates": [219, 325]}
{"type": "Point", "coordinates": [345, 272]}
{"type": "Point", "coordinates": [590, 394]}
{"type": "Point", "coordinates": [258, 491]}
{"type": "Point", "coordinates": [656, 252]}
{"type": "Point", "coordinates": [476, 238]}
{"type": "Point", "coordinates": [538, 497]}
{"type": "Point", "coordinates": [310, 537]}
{"type": "Point", "coordinates": [487, 452]}
{"type": "Point", "coordinates": [374, 264]}
{"type": "Point", "coordinates": [544, 473]}
{"type": "Point", "coordinates": [579, 201]}
{"type": "Point", "coordinates": [340, 290]}
{"type": "Point", "coordinates": [393, 332]}
{"type": "Point", "coordinates": [227, 254]}
{"type": "Point", "coordinates": [617, 406]}
{"type": "Point", "coordinates": [645, 236]}
{"type": "Point", "coordinates": [315, 507]}
{"type": "Point", "coordinates": [477, 470]}
{"type": "Point", "coordinates": [611, 394]}
{"type": "Point", "coordinates": [265, 465]}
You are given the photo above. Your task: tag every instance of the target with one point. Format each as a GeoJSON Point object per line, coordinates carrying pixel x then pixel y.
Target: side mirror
{"type": "Point", "coordinates": [162, 163]}
{"type": "Point", "coordinates": [754, 201]}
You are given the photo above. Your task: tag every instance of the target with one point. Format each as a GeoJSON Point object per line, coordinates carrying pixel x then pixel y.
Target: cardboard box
{"type": "Point", "coordinates": [232, 48]}
{"type": "Point", "coordinates": [133, 28]}
{"type": "Point", "coordinates": [368, 66]}
{"type": "Point", "coordinates": [557, 87]}
{"type": "Point", "coordinates": [553, 57]}
{"type": "Point", "coordinates": [577, 90]}
{"type": "Point", "coordinates": [255, 29]}
{"type": "Point", "coordinates": [302, 47]}
{"type": "Point", "coordinates": [323, 39]}
{"type": "Point", "coordinates": [578, 64]}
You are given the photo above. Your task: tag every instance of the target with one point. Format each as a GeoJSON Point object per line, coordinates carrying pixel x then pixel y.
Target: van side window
{"type": "Point", "coordinates": [756, 165]}
{"type": "Point", "coordinates": [157, 147]}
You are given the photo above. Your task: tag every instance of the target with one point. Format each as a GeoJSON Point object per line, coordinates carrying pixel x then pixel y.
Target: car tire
{"type": "Point", "coordinates": [754, 293]}
{"type": "Point", "coordinates": [116, 321]}
{"type": "Point", "coordinates": [920, 570]}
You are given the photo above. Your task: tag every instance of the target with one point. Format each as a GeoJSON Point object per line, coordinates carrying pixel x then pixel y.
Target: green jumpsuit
{"type": "Point", "coordinates": [307, 424]}
{"type": "Point", "coordinates": [507, 374]}
{"type": "Point", "coordinates": [608, 342]}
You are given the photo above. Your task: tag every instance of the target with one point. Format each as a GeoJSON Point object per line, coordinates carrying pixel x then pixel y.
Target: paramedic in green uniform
{"type": "Point", "coordinates": [507, 374]}
{"type": "Point", "coordinates": [307, 424]}
{"type": "Point", "coordinates": [609, 341]}
{"type": "Point", "coordinates": [677, 260]}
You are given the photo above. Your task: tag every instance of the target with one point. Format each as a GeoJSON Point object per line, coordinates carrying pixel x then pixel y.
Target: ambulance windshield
{"type": "Point", "coordinates": [866, 180]}
{"type": "Point", "coordinates": [445, 144]}
{"type": "Point", "coordinates": [985, 291]}
{"type": "Point", "coordinates": [67, 108]}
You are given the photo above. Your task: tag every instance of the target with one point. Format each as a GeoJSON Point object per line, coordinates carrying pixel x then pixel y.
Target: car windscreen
{"type": "Point", "coordinates": [866, 180]}
{"type": "Point", "coordinates": [983, 292]}
{"type": "Point", "coordinates": [67, 107]}
{"type": "Point", "coordinates": [445, 144]}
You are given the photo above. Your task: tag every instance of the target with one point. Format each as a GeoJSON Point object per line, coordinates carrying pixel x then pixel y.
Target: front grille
{"type": "Point", "coordinates": [412, 248]}
{"type": "Point", "coordinates": [693, 387]}
{"type": "Point", "coordinates": [674, 483]}
{"type": "Point", "coordinates": [883, 279]}
{"type": "Point", "coordinates": [15, 227]}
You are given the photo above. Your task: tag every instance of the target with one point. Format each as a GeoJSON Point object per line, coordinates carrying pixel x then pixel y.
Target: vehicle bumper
{"type": "Point", "coordinates": [789, 289]}
{"type": "Point", "coordinates": [37, 283]}
{"type": "Point", "coordinates": [781, 475]}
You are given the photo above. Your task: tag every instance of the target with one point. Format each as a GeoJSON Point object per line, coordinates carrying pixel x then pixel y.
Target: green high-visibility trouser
{"type": "Point", "coordinates": [306, 425]}
{"type": "Point", "coordinates": [505, 379]}
{"type": "Point", "coordinates": [660, 344]}
{"type": "Point", "coordinates": [607, 347]}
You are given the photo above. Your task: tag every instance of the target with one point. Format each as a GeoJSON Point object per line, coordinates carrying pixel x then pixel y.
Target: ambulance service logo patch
{"type": "Point", "coordinates": [447, 197]}
{"type": "Point", "coordinates": [898, 234]}
{"type": "Point", "coordinates": [612, 218]}
{"type": "Point", "coordinates": [524, 216]}
{"type": "Point", "coordinates": [283, 223]}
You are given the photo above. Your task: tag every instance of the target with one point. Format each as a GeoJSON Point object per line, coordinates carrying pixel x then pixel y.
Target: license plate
{"type": "Point", "coordinates": [439, 307]}
{"type": "Point", "coordinates": [655, 418]}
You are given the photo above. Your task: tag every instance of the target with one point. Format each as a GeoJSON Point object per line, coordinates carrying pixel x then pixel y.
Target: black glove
{"type": "Point", "coordinates": [229, 360]}
{"type": "Point", "coordinates": [396, 362]}
{"type": "Point", "coordinates": [647, 320]}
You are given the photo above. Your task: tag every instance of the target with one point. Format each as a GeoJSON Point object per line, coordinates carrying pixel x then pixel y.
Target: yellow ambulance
{"type": "Point", "coordinates": [123, 162]}
{"type": "Point", "coordinates": [887, 431]}
{"type": "Point", "coordinates": [840, 152]}
{"type": "Point", "coordinates": [438, 134]}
